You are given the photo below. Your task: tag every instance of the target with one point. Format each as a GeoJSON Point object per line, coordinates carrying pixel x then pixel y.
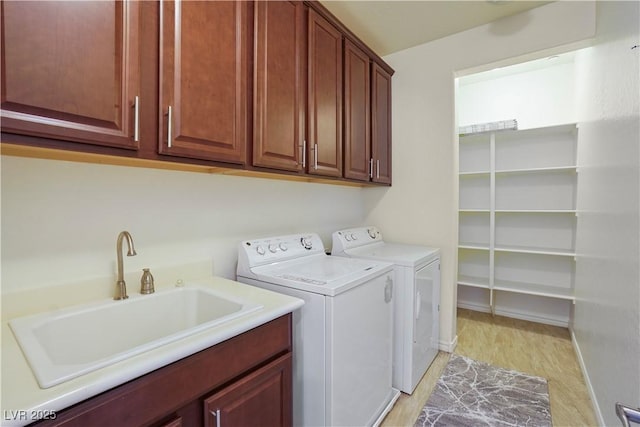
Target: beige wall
{"type": "Point", "coordinates": [422, 205]}
{"type": "Point", "coordinates": [60, 220]}
{"type": "Point", "coordinates": [607, 311]}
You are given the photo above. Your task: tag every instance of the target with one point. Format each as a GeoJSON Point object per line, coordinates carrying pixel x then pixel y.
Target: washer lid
{"type": "Point", "coordinates": [397, 253]}
{"type": "Point", "coordinates": [322, 274]}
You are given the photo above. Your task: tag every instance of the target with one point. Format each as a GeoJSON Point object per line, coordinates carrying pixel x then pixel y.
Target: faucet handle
{"type": "Point", "coordinates": [146, 282]}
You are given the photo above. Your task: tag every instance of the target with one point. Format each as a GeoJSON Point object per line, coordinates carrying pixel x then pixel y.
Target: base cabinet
{"type": "Point", "coordinates": [260, 399]}
{"type": "Point", "coordinates": [244, 381]}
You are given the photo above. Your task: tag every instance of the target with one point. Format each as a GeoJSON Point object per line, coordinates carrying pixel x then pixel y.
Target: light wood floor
{"type": "Point", "coordinates": [531, 348]}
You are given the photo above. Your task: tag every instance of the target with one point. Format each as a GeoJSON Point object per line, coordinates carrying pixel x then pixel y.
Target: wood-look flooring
{"type": "Point", "coordinates": [528, 347]}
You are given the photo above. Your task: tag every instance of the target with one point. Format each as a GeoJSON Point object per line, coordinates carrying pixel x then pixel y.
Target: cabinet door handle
{"type": "Point", "coordinates": [304, 154]}
{"type": "Point", "coordinates": [371, 168]}
{"type": "Point", "coordinates": [169, 127]}
{"type": "Point", "coordinates": [378, 168]}
{"type": "Point", "coordinates": [136, 119]}
{"type": "Point", "coordinates": [216, 414]}
{"type": "Point", "coordinates": [315, 156]}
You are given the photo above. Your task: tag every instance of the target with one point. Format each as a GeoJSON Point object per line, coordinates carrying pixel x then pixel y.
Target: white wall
{"type": "Point", "coordinates": [607, 312]}
{"type": "Point", "coordinates": [60, 220]}
{"type": "Point", "coordinates": [422, 205]}
{"type": "Point", "coordinates": [537, 97]}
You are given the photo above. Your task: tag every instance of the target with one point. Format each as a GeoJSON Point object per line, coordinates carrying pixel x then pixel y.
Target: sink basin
{"type": "Point", "coordinates": [64, 344]}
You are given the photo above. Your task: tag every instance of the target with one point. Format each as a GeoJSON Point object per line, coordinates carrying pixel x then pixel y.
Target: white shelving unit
{"type": "Point", "coordinates": [517, 222]}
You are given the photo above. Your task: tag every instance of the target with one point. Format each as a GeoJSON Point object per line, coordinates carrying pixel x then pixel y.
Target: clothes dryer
{"type": "Point", "coordinates": [416, 299]}
{"type": "Point", "coordinates": [342, 336]}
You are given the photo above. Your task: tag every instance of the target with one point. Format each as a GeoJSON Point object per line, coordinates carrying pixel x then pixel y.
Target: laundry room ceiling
{"type": "Point", "coordinates": [388, 26]}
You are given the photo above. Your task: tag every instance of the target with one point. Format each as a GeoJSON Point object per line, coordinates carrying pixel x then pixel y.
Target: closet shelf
{"type": "Point", "coordinates": [534, 289]}
{"type": "Point", "coordinates": [535, 250]}
{"type": "Point", "coordinates": [474, 173]}
{"type": "Point", "coordinates": [474, 246]}
{"type": "Point", "coordinates": [535, 211]}
{"type": "Point", "coordinates": [517, 220]}
{"type": "Point", "coordinates": [473, 281]}
{"type": "Point", "coordinates": [571, 168]}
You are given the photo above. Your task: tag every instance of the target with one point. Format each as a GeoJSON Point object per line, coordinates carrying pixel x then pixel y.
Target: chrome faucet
{"type": "Point", "coordinates": [121, 286]}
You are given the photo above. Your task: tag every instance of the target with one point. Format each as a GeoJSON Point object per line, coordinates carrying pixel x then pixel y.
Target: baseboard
{"type": "Point", "coordinates": [533, 318]}
{"type": "Point", "coordinates": [449, 347]}
{"type": "Point", "coordinates": [474, 307]}
{"type": "Point", "coordinates": [585, 375]}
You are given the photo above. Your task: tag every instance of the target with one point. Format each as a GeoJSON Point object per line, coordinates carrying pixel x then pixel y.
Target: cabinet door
{"type": "Point", "coordinates": [279, 85]}
{"type": "Point", "coordinates": [70, 71]}
{"type": "Point", "coordinates": [357, 136]}
{"type": "Point", "coordinates": [381, 124]}
{"type": "Point", "coordinates": [261, 399]}
{"type": "Point", "coordinates": [325, 97]}
{"type": "Point", "coordinates": [203, 79]}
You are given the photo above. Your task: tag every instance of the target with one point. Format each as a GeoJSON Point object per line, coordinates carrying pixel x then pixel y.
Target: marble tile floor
{"type": "Point", "coordinates": [528, 347]}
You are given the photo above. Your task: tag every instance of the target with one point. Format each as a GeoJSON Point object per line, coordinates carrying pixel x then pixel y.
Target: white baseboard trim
{"type": "Point", "coordinates": [533, 318]}
{"type": "Point", "coordinates": [474, 307]}
{"type": "Point", "coordinates": [515, 314]}
{"type": "Point", "coordinates": [449, 347]}
{"type": "Point", "coordinates": [585, 375]}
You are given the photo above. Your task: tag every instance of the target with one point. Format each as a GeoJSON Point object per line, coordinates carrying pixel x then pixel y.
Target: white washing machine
{"type": "Point", "coordinates": [417, 298]}
{"type": "Point", "coordinates": [342, 336]}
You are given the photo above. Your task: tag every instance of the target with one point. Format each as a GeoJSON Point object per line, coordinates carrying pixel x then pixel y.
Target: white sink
{"type": "Point", "coordinates": [64, 344]}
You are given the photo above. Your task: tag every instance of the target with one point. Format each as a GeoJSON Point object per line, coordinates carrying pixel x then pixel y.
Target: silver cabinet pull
{"type": "Point", "coordinates": [304, 153]}
{"type": "Point", "coordinates": [315, 156]}
{"type": "Point", "coordinates": [627, 414]}
{"type": "Point", "coordinates": [136, 119]}
{"type": "Point", "coordinates": [216, 414]}
{"type": "Point", "coordinates": [169, 127]}
{"type": "Point", "coordinates": [378, 168]}
{"type": "Point", "coordinates": [371, 168]}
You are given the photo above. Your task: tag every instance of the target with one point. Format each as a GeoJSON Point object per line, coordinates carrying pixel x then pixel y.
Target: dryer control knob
{"type": "Point", "coordinates": [372, 232]}
{"type": "Point", "coordinates": [306, 242]}
{"type": "Point", "coordinates": [354, 237]}
{"type": "Point", "coordinates": [347, 237]}
{"type": "Point", "coordinates": [283, 247]}
{"type": "Point", "coordinates": [260, 250]}
{"type": "Point", "coordinates": [273, 249]}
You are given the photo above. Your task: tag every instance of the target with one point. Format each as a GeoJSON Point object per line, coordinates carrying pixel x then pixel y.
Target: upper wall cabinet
{"type": "Point", "coordinates": [279, 85]}
{"type": "Point", "coordinates": [357, 113]}
{"type": "Point", "coordinates": [367, 123]}
{"type": "Point", "coordinates": [381, 124]}
{"type": "Point", "coordinates": [70, 71]}
{"type": "Point", "coordinates": [324, 126]}
{"type": "Point", "coordinates": [204, 49]}
{"type": "Point", "coordinates": [265, 86]}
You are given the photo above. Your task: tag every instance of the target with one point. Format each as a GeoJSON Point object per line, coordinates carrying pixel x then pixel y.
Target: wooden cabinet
{"type": "Point", "coordinates": [324, 111]}
{"type": "Point", "coordinates": [204, 48]}
{"type": "Point", "coordinates": [357, 113]}
{"type": "Point", "coordinates": [70, 71]}
{"type": "Point", "coordinates": [367, 126]}
{"type": "Point", "coordinates": [380, 124]}
{"type": "Point", "coordinates": [279, 85]}
{"type": "Point", "coordinates": [245, 380]}
{"type": "Point", "coordinates": [264, 86]}
{"type": "Point", "coordinates": [260, 399]}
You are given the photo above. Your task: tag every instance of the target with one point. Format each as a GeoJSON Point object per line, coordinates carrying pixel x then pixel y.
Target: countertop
{"type": "Point", "coordinates": [23, 401]}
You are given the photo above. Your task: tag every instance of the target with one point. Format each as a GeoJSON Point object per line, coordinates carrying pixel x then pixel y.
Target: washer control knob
{"type": "Point", "coordinates": [283, 247]}
{"type": "Point", "coordinates": [347, 237]}
{"type": "Point", "coordinates": [260, 250]}
{"type": "Point", "coordinates": [354, 237]}
{"type": "Point", "coordinates": [273, 248]}
{"type": "Point", "coordinates": [372, 232]}
{"type": "Point", "coordinates": [306, 242]}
